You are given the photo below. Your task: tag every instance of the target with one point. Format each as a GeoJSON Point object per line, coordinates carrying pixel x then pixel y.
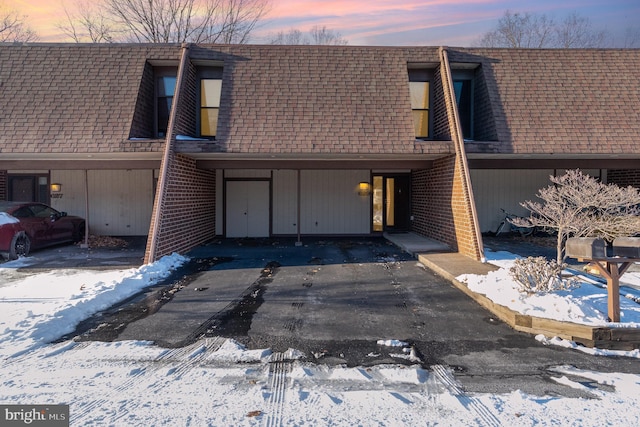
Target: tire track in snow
{"type": "Point", "coordinates": [185, 357]}
{"type": "Point", "coordinates": [278, 370]}
{"type": "Point", "coordinates": [484, 414]}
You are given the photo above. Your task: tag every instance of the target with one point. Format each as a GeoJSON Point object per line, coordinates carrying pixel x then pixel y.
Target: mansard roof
{"type": "Point", "coordinates": [308, 100]}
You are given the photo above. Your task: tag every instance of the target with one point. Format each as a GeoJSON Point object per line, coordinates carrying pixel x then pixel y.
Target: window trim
{"type": "Point", "coordinates": [466, 75]}
{"type": "Point", "coordinates": [161, 73]}
{"type": "Point", "coordinates": [207, 73]}
{"type": "Point", "coordinates": [422, 75]}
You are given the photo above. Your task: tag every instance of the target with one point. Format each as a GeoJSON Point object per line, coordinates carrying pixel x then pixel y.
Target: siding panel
{"type": "Point", "coordinates": [285, 202]}
{"type": "Point", "coordinates": [330, 202]}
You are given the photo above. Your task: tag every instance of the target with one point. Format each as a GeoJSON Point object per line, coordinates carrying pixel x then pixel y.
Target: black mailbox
{"type": "Point", "coordinates": [586, 248]}
{"type": "Point", "coordinates": [627, 247]}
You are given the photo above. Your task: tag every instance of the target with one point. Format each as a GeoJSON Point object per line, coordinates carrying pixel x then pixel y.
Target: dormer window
{"type": "Point", "coordinates": [210, 90]}
{"type": "Point", "coordinates": [463, 76]}
{"type": "Point", "coordinates": [462, 89]}
{"type": "Point", "coordinates": [420, 91]}
{"type": "Point", "coordinates": [165, 89]}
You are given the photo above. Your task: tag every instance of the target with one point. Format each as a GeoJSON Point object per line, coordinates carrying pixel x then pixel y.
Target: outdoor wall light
{"type": "Point", "coordinates": [56, 188]}
{"type": "Point", "coordinates": [364, 189]}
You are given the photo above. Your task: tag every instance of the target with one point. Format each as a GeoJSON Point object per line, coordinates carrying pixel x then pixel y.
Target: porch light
{"type": "Point", "coordinates": [56, 188]}
{"type": "Point", "coordinates": [364, 188]}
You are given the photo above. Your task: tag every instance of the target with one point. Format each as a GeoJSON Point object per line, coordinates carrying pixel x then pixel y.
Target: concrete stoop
{"type": "Point", "coordinates": [452, 265]}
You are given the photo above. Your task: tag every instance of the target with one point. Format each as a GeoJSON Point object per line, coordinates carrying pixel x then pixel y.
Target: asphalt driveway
{"type": "Point", "coordinates": [336, 300]}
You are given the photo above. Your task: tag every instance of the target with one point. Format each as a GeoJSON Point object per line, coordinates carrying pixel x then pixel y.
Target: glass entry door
{"type": "Point", "coordinates": [391, 203]}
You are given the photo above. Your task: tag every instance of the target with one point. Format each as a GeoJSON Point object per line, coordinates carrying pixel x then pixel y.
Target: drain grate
{"type": "Point", "coordinates": [402, 305]}
{"type": "Point", "coordinates": [297, 304]}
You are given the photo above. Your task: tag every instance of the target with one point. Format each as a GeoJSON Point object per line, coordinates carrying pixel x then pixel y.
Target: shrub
{"type": "Point", "coordinates": [538, 275]}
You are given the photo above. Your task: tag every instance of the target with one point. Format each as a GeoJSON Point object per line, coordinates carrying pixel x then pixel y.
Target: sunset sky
{"type": "Point", "coordinates": [385, 22]}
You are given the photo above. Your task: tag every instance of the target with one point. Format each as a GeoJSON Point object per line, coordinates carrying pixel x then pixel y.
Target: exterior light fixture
{"type": "Point", "coordinates": [364, 188]}
{"type": "Point", "coordinates": [56, 188]}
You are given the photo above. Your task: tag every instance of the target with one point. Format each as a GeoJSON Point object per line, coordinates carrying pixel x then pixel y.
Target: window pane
{"type": "Point", "coordinates": [421, 122]}
{"type": "Point", "coordinates": [164, 109]}
{"type": "Point", "coordinates": [419, 94]}
{"type": "Point", "coordinates": [208, 121]}
{"type": "Point", "coordinates": [377, 204]}
{"type": "Point", "coordinates": [166, 86]}
{"type": "Point", "coordinates": [210, 92]}
{"type": "Point", "coordinates": [463, 100]}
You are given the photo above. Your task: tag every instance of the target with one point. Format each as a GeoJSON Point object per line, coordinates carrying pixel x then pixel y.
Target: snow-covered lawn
{"type": "Point", "coordinates": [217, 382]}
{"type": "Point", "coordinates": [586, 305]}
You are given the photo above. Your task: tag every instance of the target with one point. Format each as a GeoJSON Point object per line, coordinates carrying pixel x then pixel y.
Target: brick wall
{"type": "Point", "coordinates": [431, 202]}
{"type": "Point", "coordinates": [624, 177]}
{"type": "Point", "coordinates": [143, 116]}
{"type": "Point", "coordinates": [484, 127]}
{"type": "Point", "coordinates": [187, 217]}
{"type": "Point", "coordinates": [441, 130]}
{"type": "Point", "coordinates": [3, 185]}
{"type": "Point", "coordinates": [440, 206]}
{"type": "Point", "coordinates": [186, 113]}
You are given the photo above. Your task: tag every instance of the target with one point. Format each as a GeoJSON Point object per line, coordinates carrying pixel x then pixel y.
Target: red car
{"type": "Point", "coordinates": [29, 225]}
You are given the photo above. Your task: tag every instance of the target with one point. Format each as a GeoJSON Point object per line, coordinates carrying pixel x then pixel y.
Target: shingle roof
{"type": "Point", "coordinates": [578, 101]}
{"type": "Point", "coordinates": [70, 98]}
{"type": "Point", "coordinates": [319, 99]}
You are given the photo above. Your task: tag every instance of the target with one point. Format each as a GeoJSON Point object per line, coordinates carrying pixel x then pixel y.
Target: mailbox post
{"type": "Point", "coordinates": [625, 251]}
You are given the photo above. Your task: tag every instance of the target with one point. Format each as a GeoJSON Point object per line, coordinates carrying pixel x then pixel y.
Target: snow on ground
{"type": "Point", "coordinates": [218, 382]}
{"type": "Point", "coordinates": [585, 305]}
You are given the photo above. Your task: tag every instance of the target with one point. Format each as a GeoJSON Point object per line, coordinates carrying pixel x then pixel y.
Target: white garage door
{"type": "Point", "coordinates": [247, 209]}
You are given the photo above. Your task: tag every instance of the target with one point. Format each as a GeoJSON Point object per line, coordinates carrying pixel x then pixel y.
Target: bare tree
{"type": "Point", "coordinates": [324, 36]}
{"type": "Point", "coordinates": [631, 38]}
{"type": "Point", "coordinates": [87, 24]}
{"type": "Point", "coordinates": [291, 37]}
{"type": "Point", "coordinates": [520, 30]}
{"type": "Point", "coordinates": [577, 205]}
{"type": "Point", "coordinates": [317, 36]}
{"type": "Point", "coordinates": [13, 27]}
{"type": "Point", "coordinates": [167, 21]}
{"type": "Point", "coordinates": [527, 30]}
{"type": "Point", "coordinates": [576, 31]}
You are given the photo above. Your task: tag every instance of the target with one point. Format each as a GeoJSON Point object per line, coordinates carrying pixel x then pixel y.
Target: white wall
{"type": "Point", "coordinates": [329, 201]}
{"type": "Point", "coordinates": [120, 201]}
{"type": "Point", "coordinates": [285, 202]}
{"type": "Point", "coordinates": [506, 188]}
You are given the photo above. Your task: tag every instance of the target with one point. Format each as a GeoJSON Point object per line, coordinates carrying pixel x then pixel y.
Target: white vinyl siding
{"type": "Point", "coordinates": [285, 202]}
{"type": "Point", "coordinates": [330, 203]}
{"type": "Point", "coordinates": [247, 209]}
{"type": "Point", "coordinates": [120, 201]}
{"type": "Point", "coordinates": [507, 188]}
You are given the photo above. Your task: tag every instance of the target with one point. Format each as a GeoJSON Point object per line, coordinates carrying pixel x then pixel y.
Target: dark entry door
{"type": "Point", "coordinates": [22, 188]}
{"type": "Point", "coordinates": [29, 188]}
{"type": "Point", "coordinates": [391, 203]}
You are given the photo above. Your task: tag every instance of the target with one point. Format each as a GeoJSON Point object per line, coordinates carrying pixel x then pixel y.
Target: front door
{"type": "Point", "coordinates": [391, 203]}
{"type": "Point", "coordinates": [29, 188]}
{"type": "Point", "coordinates": [247, 209]}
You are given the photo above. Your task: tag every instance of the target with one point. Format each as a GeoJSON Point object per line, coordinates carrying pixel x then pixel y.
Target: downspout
{"type": "Point", "coordinates": [85, 244]}
{"type": "Point", "coordinates": [458, 140]}
{"type": "Point", "coordinates": [298, 242]}
{"type": "Point", "coordinates": [166, 158]}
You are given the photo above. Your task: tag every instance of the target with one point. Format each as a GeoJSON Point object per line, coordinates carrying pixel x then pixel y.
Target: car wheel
{"type": "Point", "coordinates": [20, 246]}
{"type": "Point", "coordinates": [78, 234]}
